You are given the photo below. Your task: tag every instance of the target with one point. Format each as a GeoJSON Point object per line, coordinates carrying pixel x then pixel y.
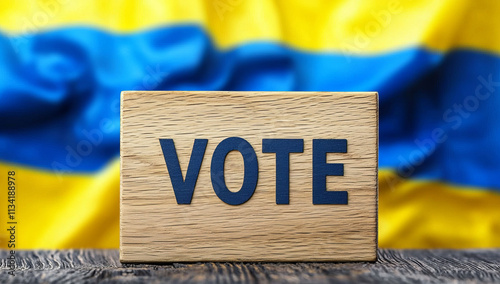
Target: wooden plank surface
{"type": "Point", "coordinates": [155, 228]}
{"type": "Point", "coordinates": [393, 266]}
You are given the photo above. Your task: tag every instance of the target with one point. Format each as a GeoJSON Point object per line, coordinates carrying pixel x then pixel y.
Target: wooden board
{"type": "Point", "coordinates": [393, 266]}
{"type": "Point", "coordinates": [155, 228]}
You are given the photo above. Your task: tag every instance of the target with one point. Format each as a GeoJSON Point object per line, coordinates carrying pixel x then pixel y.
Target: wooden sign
{"type": "Point", "coordinates": [248, 176]}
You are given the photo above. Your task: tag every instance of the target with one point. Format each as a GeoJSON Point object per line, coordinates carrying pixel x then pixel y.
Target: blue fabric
{"type": "Point", "coordinates": [59, 95]}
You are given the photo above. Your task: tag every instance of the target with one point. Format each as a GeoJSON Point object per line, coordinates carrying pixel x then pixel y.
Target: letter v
{"type": "Point", "coordinates": [183, 188]}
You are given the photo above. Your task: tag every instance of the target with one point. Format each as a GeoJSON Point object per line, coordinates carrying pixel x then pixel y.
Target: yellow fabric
{"type": "Point", "coordinates": [354, 26]}
{"type": "Point", "coordinates": [82, 211]}
{"type": "Point", "coordinates": [73, 211]}
{"type": "Point", "coordinates": [426, 214]}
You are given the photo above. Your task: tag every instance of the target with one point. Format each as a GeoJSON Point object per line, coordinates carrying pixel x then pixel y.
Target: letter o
{"type": "Point", "coordinates": [251, 172]}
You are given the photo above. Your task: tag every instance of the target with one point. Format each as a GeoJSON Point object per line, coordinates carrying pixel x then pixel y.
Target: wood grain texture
{"type": "Point", "coordinates": [393, 266]}
{"type": "Point", "coordinates": [154, 228]}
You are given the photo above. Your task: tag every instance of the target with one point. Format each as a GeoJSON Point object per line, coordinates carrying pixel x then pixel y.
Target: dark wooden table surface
{"type": "Point", "coordinates": [393, 266]}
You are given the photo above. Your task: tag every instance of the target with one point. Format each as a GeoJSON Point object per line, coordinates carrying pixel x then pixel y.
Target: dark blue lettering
{"type": "Point", "coordinates": [183, 188]}
{"type": "Point", "coordinates": [322, 169]}
{"type": "Point", "coordinates": [282, 148]}
{"type": "Point", "coordinates": [251, 172]}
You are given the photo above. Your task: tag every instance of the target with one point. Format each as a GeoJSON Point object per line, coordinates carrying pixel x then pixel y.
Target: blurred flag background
{"type": "Point", "coordinates": [435, 64]}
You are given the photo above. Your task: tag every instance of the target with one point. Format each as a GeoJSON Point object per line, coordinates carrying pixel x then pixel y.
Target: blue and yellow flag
{"type": "Point", "coordinates": [435, 64]}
